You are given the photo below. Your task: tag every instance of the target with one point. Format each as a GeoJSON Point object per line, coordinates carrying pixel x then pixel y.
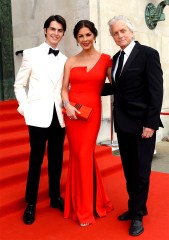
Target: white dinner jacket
{"type": "Point", "coordinates": [38, 86]}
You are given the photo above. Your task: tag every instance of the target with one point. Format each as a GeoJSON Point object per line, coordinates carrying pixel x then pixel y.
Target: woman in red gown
{"type": "Point", "coordinates": [84, 77]}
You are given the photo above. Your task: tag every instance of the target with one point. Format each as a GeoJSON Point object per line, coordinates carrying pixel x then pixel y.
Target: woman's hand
{"type": "Point", "coordinates": [71, 111]}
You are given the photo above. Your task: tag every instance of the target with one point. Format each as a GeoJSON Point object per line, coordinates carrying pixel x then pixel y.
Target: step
{"type": "Point", "coordinates": [20, 153]}
{"type": "Point", "coordinates": [15, 154]}
{"type": "Point", "coordinates": [15, 171]}
{"type": "Point", "coordinates": [18, 158]}
{"type": "Point", "coordinates": [8, 105]}
{"type": "Point", "coordinates": [12, 199]}
{"type": "Point", "coordinates": [13, 187]}
{"type": "Point", "coordinates": [11, 175]}
{"type": "Point", "coordinates": [9, 115]}
{"type": "Point", "coordinates": [7, 139]}
{"type": "Point", "coordinates": [108, 165]}
{"type": "Point", "coordinates": [13, 125]}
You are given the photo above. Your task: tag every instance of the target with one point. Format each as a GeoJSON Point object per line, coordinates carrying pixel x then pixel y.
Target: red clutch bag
{"type": "Point", "coordinates": [85, 112]}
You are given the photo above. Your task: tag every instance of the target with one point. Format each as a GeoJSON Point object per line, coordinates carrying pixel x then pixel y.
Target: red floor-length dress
{"type": "Point", "coordinates": [85, 195]}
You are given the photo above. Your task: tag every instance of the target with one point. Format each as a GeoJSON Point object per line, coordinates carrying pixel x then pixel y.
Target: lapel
{"type": "Point", "coordinates": [115, 57]}
{"type": "Point", "coordinates": [52, 69]}
{"type": "Point", "coordinates": [131, 57]}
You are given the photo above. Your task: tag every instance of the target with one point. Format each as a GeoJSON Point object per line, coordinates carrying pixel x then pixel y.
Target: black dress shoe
{"type": "Point", "coordinates": [136, 228]}
{"type": "Point", "coordinates": [29, 214]}
{"type": "Point", "coordinates": [125, 216]}
{"type": "Point", "coordinates": [57, 203]}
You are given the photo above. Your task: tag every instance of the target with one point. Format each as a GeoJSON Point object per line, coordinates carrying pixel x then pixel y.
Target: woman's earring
{"type": "Point", "coordinates": [95, 41]}
{"type": "Point", "coordinates": [77, 44]}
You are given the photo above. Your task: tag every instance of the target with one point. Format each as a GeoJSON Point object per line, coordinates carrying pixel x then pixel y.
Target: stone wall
{"type": "Point", "coordinates": [28, 17]}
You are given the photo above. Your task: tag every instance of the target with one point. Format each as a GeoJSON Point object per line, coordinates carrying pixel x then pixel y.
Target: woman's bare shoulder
{"type": "Point", "coordinates": [71, 61]}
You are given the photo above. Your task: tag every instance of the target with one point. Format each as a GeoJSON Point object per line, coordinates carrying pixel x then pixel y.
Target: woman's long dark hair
{"type": "Point", "coordinates": [87, 24]}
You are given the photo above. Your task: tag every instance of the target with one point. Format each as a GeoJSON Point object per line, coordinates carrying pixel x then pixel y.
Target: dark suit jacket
{"type": "Point", "coordinates": [138, 92]}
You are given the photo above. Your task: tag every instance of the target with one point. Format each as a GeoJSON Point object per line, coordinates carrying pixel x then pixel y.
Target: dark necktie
{"type": "Point", "coordinates": [55, 52]}
{"type": "Point", "coordinates": [120, 65]}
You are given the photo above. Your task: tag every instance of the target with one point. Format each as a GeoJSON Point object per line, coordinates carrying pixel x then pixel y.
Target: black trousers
{"type": "Point", "coordinates": [136, 154]}
{"type": "Point", "coordinates": [40, 138]}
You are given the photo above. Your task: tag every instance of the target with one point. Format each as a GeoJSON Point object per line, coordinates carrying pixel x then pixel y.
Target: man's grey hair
{"type": "Point", "coordinates": [120, 17]}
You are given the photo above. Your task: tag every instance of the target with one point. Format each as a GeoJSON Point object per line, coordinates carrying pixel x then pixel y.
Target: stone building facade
{"type": "Point", "coordinates": [28, 17]}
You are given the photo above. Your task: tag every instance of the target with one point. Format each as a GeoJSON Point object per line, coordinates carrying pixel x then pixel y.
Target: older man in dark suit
{"type": "Point", "coordinates": [138, 92]}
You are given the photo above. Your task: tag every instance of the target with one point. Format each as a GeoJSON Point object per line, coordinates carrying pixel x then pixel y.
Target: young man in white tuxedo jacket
{"type": "Point", "coordinates": [38, 91]}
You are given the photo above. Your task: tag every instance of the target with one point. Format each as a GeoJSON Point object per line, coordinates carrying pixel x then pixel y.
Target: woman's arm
{"type": "Point", "coordinates": [109, 74]}
{"type": "Point", "coordinates": [107, 88]}
{"type": "Point", "coordinates": [65, 84]}
{"type": "Point", "coordinates": [70, 110]}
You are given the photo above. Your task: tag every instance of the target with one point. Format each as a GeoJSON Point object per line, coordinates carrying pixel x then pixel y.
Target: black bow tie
{"type": "Point", "coordinates": [55, 52]}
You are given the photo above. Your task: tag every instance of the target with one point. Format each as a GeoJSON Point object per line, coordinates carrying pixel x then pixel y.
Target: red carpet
{"type": "Point", "coordinates": [50, 224]}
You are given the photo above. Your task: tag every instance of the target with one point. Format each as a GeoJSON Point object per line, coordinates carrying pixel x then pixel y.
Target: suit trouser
{"type": "Point", "coordinates": [136, 154]}
{"type": "Point", "coordinates": [53, 137]}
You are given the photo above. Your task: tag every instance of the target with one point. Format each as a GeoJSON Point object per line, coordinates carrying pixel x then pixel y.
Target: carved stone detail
{"type": "Point", "coordinates": [154, 15]}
